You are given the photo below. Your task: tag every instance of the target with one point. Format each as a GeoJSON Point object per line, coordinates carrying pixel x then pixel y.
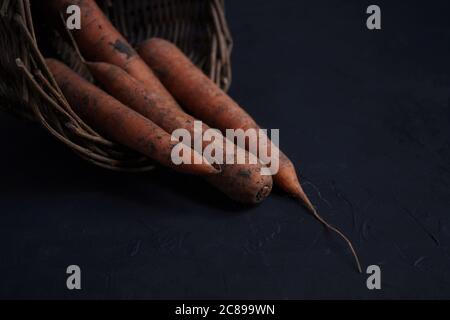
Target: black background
{"type": "Point", "coordinates": [365, 116]}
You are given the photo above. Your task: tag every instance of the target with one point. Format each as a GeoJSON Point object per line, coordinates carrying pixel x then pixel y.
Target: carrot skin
{"type": "Point", "coordinates": [124, 125]}
{"type": "Point", "coordinates": [206, 101]}
{"type": "Point", "coordinates": [241, 182]}
{"type": "Point", "coordinates": [98, 40]}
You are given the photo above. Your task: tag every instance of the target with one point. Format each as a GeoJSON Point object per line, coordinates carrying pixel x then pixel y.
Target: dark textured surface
{"type": "Point", "coordinates": [365, 116]}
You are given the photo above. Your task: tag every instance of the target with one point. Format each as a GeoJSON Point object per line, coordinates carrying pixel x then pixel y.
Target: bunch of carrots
{"type": "Point", "coordinates": [148, 93]}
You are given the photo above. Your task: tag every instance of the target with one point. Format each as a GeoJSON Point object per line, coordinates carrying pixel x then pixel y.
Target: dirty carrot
{"type": "Point", "coordinates": [124, 125]}
{"type": "Point", "coordinates": [206, 101]}
{"type": "Point", "coordinates": [241, 182]}
{"type": "Point", "coordinates": [99, 40]}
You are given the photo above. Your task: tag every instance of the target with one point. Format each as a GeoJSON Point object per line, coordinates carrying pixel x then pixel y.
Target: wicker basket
{"type": "Point", "coordinates": [27, 87]}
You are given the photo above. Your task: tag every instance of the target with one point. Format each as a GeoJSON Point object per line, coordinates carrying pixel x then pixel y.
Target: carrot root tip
{"type": "Point", "coordinates": [307, 203]}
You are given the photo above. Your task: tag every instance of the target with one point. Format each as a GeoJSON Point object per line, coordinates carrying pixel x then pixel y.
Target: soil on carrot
{"type": "Point", "coordinates": [245, 173]}
{"type": "Point", "coordinates": [123, 48]}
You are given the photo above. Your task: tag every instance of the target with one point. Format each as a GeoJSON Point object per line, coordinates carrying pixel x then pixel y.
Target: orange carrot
{"type": "Point", "coordinates": [99, 40]}
{"type": "Point", "coordinates": [124, 125]}
{"type": "Point", "coordinates": [206, 101]}
{"type": "Point", "coordinates": [241, 182]}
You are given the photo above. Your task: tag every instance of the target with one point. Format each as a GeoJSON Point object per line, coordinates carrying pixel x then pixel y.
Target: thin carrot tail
{"type": "Point", "coordinates": [307, 203]}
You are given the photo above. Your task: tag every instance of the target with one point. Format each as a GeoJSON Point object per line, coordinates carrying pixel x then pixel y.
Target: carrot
{"type": "Point", "coordinates": [124, 125]}
{"type": "Point", "coordinates": [99, 40]}
{"type": "Point", "coordinates": [241, 182]}
{"type": "Point", "coordinates": [206, 101]}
